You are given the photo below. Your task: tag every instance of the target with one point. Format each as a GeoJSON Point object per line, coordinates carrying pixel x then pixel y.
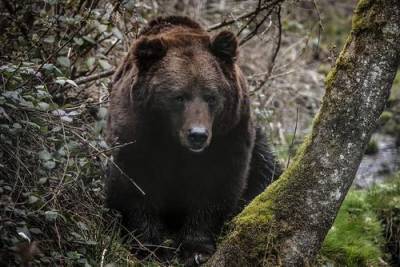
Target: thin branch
{"type": "Point", "coordinates": [106, 53]}
{"type": "Point", "coordinates": [255, 30]}
{"type": "Point", "coordinates": [111, 160]}
{"type": "Point", "coordinates": [244, 16]}
{"type": "Point", "coordinates": [275, 54]}
{"type": "Point", "coordinates": [320, 26]}
{"type": "Point", "coordinates": [250, 20]}
{"type": "Point", "coordinates": [293, 138]}
{"type": "Point", "coordinates": [110, 149]}
{"type": "Point", "coordinates": [94, 77]}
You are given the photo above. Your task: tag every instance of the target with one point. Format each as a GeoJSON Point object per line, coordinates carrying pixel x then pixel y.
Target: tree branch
{"type": "Point", "coordinates": [94, 77]}
{"type": "Point", "coordinates": [286, 224]}
{"type": "Point", "coordinates": [259, 9]}
{"type": "Point", "coordinates": [274, 55]}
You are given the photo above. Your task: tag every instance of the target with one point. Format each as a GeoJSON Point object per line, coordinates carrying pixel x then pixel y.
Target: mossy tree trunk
{"type": "Point", "coordinates": [287, 224]}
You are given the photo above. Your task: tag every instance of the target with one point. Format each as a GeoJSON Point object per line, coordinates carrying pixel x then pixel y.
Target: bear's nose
{"type": "Point", "coordinates": [197, 137]}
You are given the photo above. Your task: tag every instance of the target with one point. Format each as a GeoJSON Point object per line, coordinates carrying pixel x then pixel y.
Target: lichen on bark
{"type": "Point", "coordinates": [287, 223]}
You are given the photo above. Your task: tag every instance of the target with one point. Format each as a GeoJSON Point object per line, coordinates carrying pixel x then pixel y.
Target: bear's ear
{"type": "Point", "coordinates": [148, 51]}
{"type": "Point", "coordinates": [225, 46]}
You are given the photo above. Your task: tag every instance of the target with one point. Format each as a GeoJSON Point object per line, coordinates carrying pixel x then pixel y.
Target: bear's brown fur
{"type": "Point", "coordinates": [182, 103]}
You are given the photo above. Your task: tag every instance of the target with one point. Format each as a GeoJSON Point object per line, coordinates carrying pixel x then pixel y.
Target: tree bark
{"type": "Point", "coordinates": [287, 223]}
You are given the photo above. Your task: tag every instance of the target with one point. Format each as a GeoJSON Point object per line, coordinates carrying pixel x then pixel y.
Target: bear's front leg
{"type": "Point", "coordinates": [198, 235]}
{"type": "Point", "coordinates": [145, 230]}
{"type": "Point", "coordinates": [197, 248]}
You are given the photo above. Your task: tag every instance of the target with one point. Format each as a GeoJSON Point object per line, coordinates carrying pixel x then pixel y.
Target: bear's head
{"type": "Point", "coordinates": [185, 82]}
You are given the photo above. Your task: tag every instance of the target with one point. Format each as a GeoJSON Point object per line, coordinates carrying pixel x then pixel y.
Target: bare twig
{"type": "Point", "coordinates": [103, 254]}
{"type": "Point", "coordinates": [320, 26]}
{"type": "Point", "coordinates": [110, 149]}
{"type": "Point", "coordinates": [109, 159]}
{"type": "Point", "coordinates": [94, 77]}
{"type": "Point", "coordinates": [250, 20]}
{"type": "Point", "coordinates": [293, 138]}
{"type": "Point", "coordinates": [224, 23]}
{"type": "Point", "coordinates": [274, 55]}
{"type": "Point", "coordinates": [106, 53]}
{"type": "Point", "coordinates": [255, 30]}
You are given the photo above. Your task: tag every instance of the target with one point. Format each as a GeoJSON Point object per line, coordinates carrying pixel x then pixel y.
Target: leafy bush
{"type": "Point", "coordinates": [51, 186]}
{"type": "Point", "coordinates": [52, 154]}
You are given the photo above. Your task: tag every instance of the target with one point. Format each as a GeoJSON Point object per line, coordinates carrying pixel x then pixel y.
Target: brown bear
{"type": "Point", "coordinates": [180, 111]}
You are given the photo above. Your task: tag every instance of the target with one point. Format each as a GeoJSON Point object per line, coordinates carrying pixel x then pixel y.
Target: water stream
{"type": "Point", "coordinates": [377, 167]}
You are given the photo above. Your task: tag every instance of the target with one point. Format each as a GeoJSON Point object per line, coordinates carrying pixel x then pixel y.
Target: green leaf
{"type": "Point", "coordinates": [30, 123]}
{"type": "Point", "coordinates": [104, 64]}
{"type": "Point", "coordinates": [42, 180]}
{"type": "Point", "coordinates": [17, 125]}
{"type": "Point", "coordinates": [78, 41]}
{"type": "Point", "coordinates": [67, 118]}
{"type": "Point", "coordinates": [60, 81]}
{"type": "Point", "coordinates": [52, 215]}
{"type": "Point", "coordinates": [49, 164]}
{"type": "Point", "coordinates": [33, 199]}
{"type": "Point", "coordinates": [101, 27]}
{"type": "Point", "coordinates": [49, 39]}
{"type": "Point", "coordinates": [117, 33]}
{"type": "Point", "coordinates": [64, 61]}
{"type": "Point", "coordinates": [71, 82]}
{"type": "Point", "coordinates": [73, 255]}
{"type": "Point", "coordinates": [102, 113]}
{"type": "Point", "coordinates": [43, 106]}
{"type": "Point", "coordinates": [36, 231]}
{"type": "Point", "coordinates": [56, 129]}
{"type": "Point", "coordinates": [48, 67]}
{"type": "Point", "coordinates": [90, 62]}
{"type": "Point", "coordinates": [82, 226]}
{"type": "Point", "coordinates": [89, 39]}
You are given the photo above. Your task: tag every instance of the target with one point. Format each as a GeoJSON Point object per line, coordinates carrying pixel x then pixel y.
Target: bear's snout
{"type": "Point", "coordinates": [197, 138]}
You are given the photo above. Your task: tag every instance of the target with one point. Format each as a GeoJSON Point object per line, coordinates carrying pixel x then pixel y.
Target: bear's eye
{"type": "Point", "coordinates": [211, 99]}
{"type": "Point", "coordinates": [179, 99]}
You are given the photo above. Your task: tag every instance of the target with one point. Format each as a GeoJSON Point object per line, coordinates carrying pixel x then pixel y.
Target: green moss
{"type": "Point", "coordinates": [367, 228]}
{"type": "Point", "coordinates": [356, 237]}
{"type": "Point", "coordinates": [386, 197]}
{"type": "Point", "coordinates": [258, 212]}
{"type": "Point", "coordinates": [330, 77]}
{"type": "Point", "coordinates": [343, 62]}
{"type": "Point", "coordinates": [364, 5]}
{"type": "Point", "coordinates": [392, 127]}
{"type": "Point", "coordinates": [395, 92]}
{"type": "Point", "coordinates": [256, 227]}
{"type": "Point", "coordinates": [372, 147]}
{"type": "Point", "coordinates": [385, 201]}
{"type": "Point", "coordinates": [365, 17]}
{"type": "Point", "coordinates": [385, 117]}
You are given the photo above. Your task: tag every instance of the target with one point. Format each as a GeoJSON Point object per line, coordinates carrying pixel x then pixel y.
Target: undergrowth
{"type": "Point", "coordinates": [366, 231]}
{"type": "Point", "coordinates": [52, 154]}
{"type": "Point", "coordinates": [52, 164]}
